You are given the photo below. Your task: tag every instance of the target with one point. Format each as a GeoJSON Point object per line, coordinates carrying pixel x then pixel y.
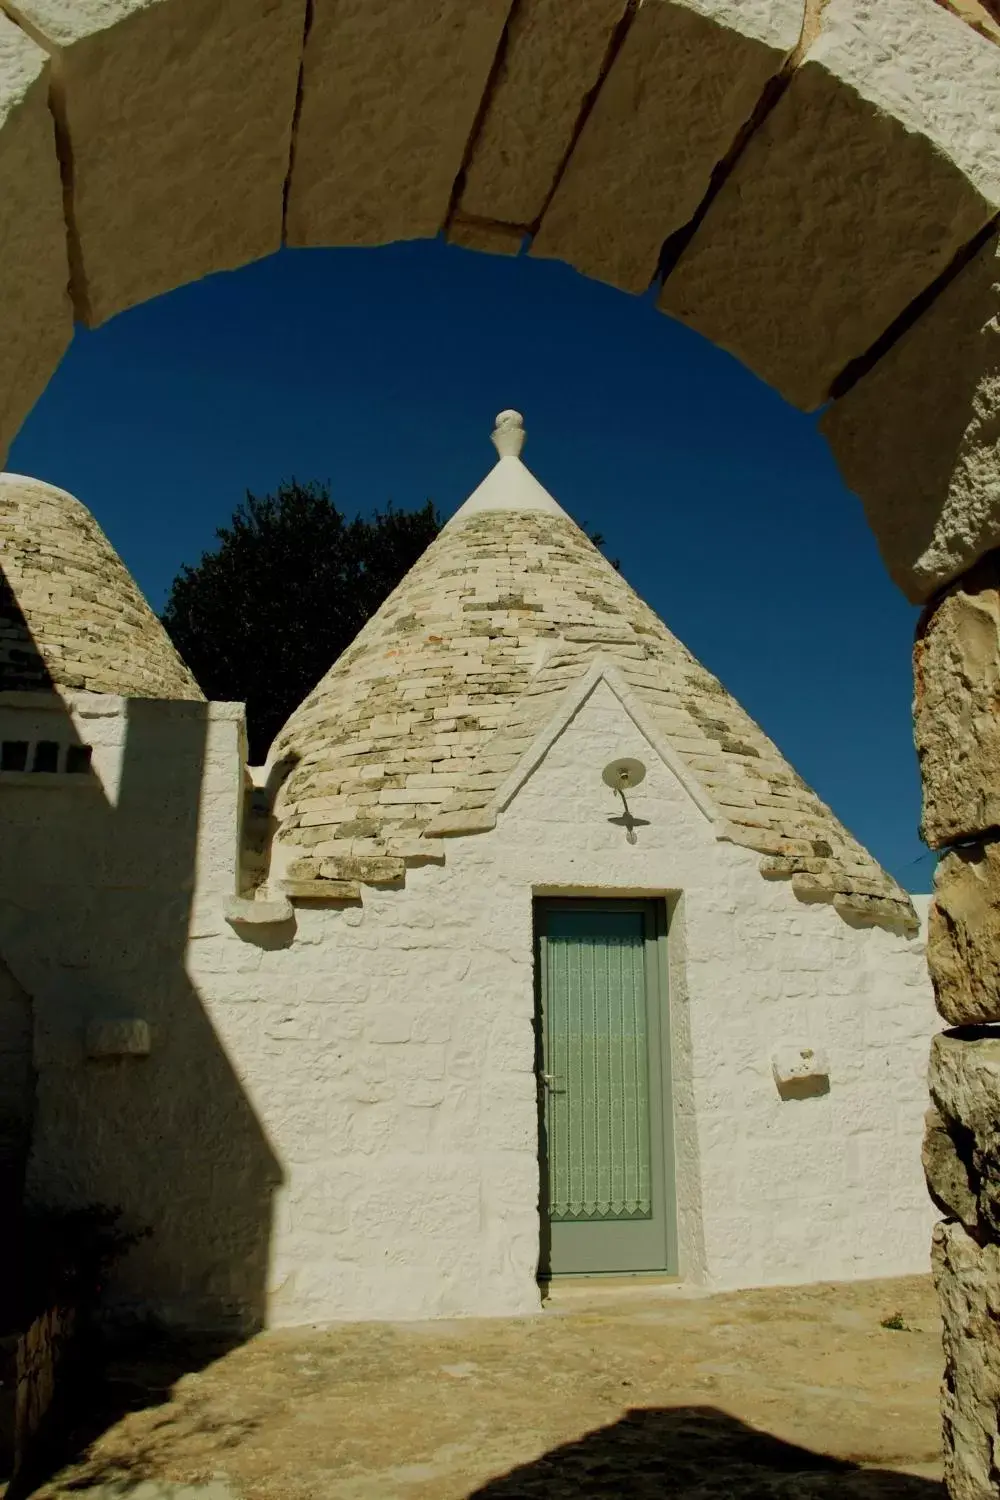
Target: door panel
{"type": "Point", "coordinates": [605, 1199]}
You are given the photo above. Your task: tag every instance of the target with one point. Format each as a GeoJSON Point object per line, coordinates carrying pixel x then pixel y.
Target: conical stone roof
{"type": "Point", "coordinates": [419, 729]}
{"type": "Point", "coordinates": [71, 614]}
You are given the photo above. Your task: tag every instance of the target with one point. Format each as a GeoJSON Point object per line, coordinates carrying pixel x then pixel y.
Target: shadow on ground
{"type": "Point", "coordinates": [696, 1453]}
{"type": "Point", "coordinates": [130, 1374]}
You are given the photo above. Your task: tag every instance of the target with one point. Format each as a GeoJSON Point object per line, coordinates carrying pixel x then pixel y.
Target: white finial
{"type": "Point", "coordinates": [508, 434]}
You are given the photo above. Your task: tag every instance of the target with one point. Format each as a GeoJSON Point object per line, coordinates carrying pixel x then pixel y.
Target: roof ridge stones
{"type": "Point", "coordinates": [414, 732]}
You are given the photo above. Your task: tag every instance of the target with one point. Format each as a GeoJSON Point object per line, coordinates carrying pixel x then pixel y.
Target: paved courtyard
{"type": "Point", "coordinates": [631, 1390]}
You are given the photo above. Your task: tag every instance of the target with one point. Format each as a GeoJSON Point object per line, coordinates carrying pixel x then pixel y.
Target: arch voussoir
{"type": "Point", "coordinates": [918, 436]}
{"type": "Point", "coordinates": [36, 316]}
{"type": "Point", "coordinates": [685, 81]}
{"type": "Point", "coordinates": [390, 97]}
{"type": "Point", "coordinates": [879, 161]}
{"type": "Point", "coordinates": [553, 58]}
{"type": "Point", "coordinates": [175, 129]}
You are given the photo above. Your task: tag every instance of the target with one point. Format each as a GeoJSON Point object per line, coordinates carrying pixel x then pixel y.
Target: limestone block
{"type": "Point", "coordinates": [370, 870]}
{"type": "Point", "coordinates": [946, 1171]}
{"type": "Point", "coordinates": [36, 315]}
{"type": "Point", "coordinates": [975, 14]}
{"type": "Point", "coordinates": [964, 1080]}
{"type": "Point", "coordinates": [963, 937]}
{"type": "Point", "coordinates": [390, 96]}
{"type": "Point", "coordinates": [454, 825]}
{"type": "Point", "coordinates": [687, 77]}
{"type": "Point", "coordinates": [967, 1279]}
{"type": "Point", "coordinates": [178, 115]}
{"type": "Point", "coordinates": [795, 1064]}
{"type": "Point", "coordinates": [493, 239]}
{"type": "Point", "coordinates": [916, 436]}
{"type": "Point", "coordinates": [878, 163]}
{"type": "Point", "coordinates": [242, 912]}
{"type": "Point", "coordinates": [118, 1037]}
{"type": "Point", "coordinates": [552, 59]}
{"type": "Point", "coordinates": [322, 890]}
{"type": "Point", "coordinates": [957, 693]}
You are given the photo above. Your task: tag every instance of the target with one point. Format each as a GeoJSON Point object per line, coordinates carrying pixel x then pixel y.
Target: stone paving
{"type": "Point", "coordinates": [637, 1390]}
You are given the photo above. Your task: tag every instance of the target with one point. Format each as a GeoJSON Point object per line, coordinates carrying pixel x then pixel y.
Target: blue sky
{"type": "Point", "coordinates": [380, 371]}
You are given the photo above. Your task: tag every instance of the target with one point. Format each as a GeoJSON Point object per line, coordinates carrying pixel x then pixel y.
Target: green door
{"type": "Point", "coordinates": [607, 1200]}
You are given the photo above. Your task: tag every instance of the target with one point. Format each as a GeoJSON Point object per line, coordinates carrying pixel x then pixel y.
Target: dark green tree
{"type": "Point", "coordinates": [260, 619]}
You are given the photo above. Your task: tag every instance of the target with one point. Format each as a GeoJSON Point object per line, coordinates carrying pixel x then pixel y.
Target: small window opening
{"type": "Point", "coordinates": [46, 756]}
{"type": "Point", "coordinates": [78, 759]}
{"type": "Point", "coordinates": [13, 755]}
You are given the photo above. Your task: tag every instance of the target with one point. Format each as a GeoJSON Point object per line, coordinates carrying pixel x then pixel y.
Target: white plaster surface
{"type": "Point", "coordinates": [344, 1126]}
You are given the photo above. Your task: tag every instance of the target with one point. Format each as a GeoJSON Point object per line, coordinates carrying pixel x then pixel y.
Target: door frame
{"type": "Point", "coordinates": [657, 911]}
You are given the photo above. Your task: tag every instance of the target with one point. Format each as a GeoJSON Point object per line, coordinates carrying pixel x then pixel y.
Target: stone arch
{"type": "Point", "coordinates": [812, 184]}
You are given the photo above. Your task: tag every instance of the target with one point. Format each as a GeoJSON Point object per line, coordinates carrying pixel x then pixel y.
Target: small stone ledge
{"type": "Point", "coordinates": [343, 891]}
{"type": "Point", "coordinates": [118, 1037]}
{"type": "Point", "coordinates": [877, 911]}
{"type": "Point", "coordinates": [368, 869]}
{"type": "Point", "coordinates": [859, 899]}
{"type": "Point", "coordinates": [455, 824]}
{"type": "Point", "coordinates": [761, 840]}
{"type": "Point", "coordinates": [243, 911]}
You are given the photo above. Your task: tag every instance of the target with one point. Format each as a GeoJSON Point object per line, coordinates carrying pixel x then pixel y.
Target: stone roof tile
{"type": "Point", "coordinates": [71, 615]}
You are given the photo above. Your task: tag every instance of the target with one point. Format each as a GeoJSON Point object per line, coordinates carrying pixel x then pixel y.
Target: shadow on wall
{"type": "Point", "coordinates": [96, 893]}
{"type": "Point", "coordinates": [696, 1453]}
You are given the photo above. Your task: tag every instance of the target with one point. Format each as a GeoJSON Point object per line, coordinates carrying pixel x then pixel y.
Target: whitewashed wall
{"type": "Point", "coordinates": [338, 1120]}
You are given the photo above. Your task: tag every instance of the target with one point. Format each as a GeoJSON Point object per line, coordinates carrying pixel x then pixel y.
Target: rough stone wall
{"type": "Point", "coordinates": [71, 615]}
{"type": "Point", "coordinates": [957, 678]}
{"type": "Point", "coordinates": [416, 727]}
{"type": "Point", "coordinates": [336, 1117]}
{"type": "Point", "coordinates": [29, 1368]}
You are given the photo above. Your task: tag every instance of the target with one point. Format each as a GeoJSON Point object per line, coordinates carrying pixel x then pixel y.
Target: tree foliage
{"type": "Point", "coordinates": [260, 619]}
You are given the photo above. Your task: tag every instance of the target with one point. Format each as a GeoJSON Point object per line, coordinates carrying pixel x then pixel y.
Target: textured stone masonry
{"type": "Point", "coordinates": [967, 1278]}
{"type": "Point", "coordinates": [962, 1162]}
{"type": "Point", "coordinates": [179, 121]}
{"type": "Point", "coordinates": [552, 59]}
{"type": "Point", "coordinates": [390, 95]}
{"type": "Point", "coordinates": [964, 935]}
{"type": "Point", "coordinates": [865, 179]}
{"type": "Point", "coordinates": [71, 615]}
{"type": "Point", "coordinates": [957, 707]}
{"type": "Point", "coordinates": [683, 84]}
{"type": "Point", "coordinates": [417, 727]}
{"type": "Point", "coordinates": [957, 696]}
{"type": "Point", "coordinates": [185, 129]}
{"type": "Point", "coordinates": [916, 436]}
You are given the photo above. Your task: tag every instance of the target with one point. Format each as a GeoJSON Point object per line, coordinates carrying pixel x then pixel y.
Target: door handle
{"type": "Point", "coordinates": [549, 1079]}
